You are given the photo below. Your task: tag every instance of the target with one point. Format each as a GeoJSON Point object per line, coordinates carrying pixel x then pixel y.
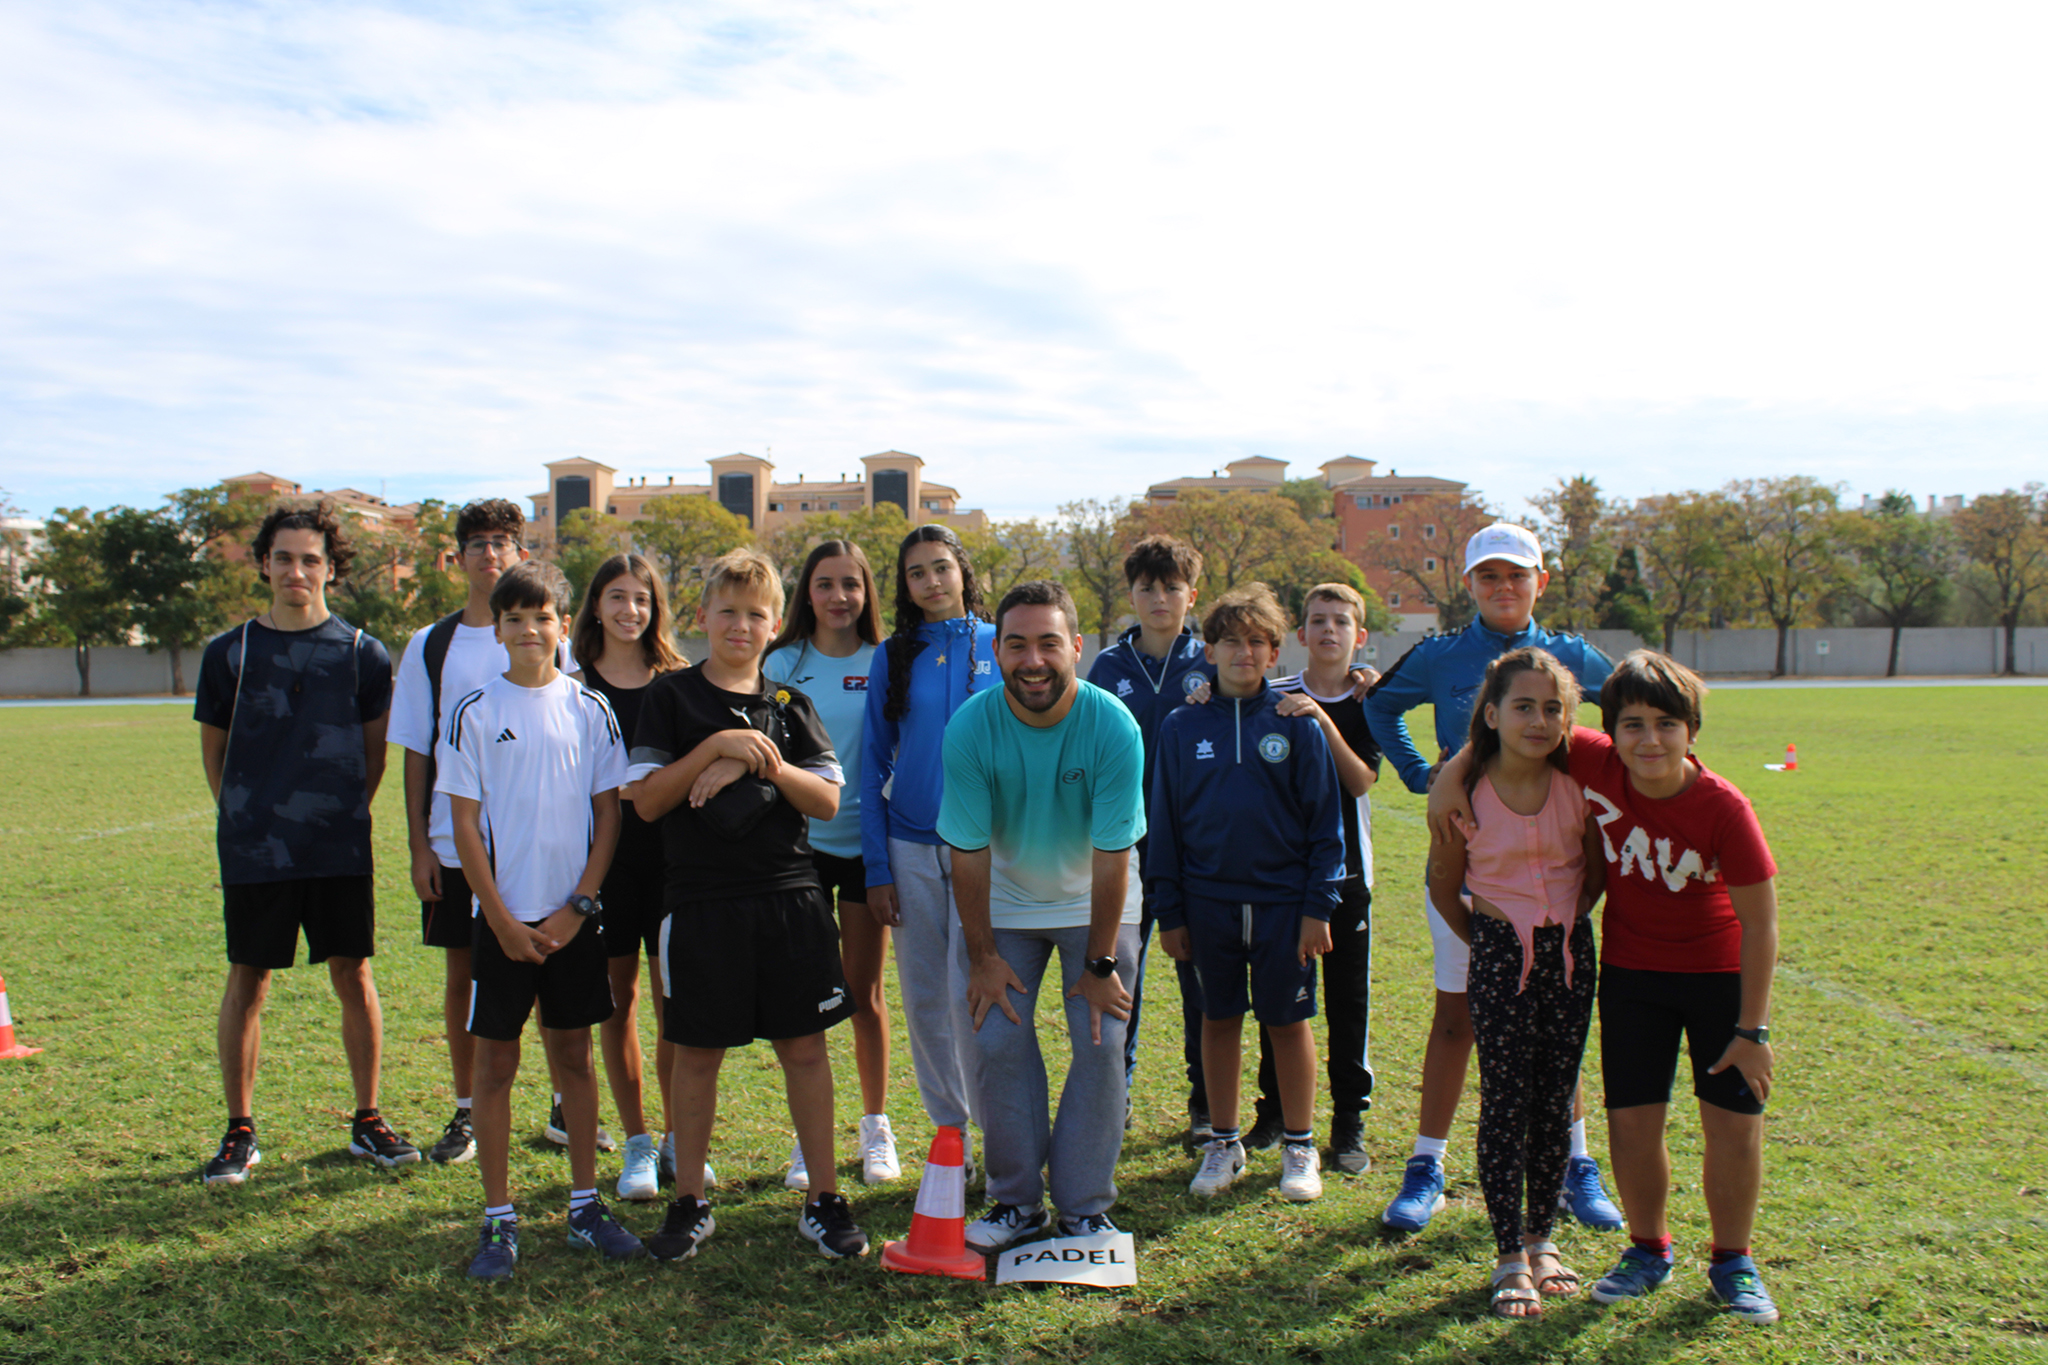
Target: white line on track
{"type": "Point", "coordinates": [1934, 1033]}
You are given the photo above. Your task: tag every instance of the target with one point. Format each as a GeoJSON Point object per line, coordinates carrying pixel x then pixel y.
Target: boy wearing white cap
{"type": "Point", "coordinates": [1505, 575]}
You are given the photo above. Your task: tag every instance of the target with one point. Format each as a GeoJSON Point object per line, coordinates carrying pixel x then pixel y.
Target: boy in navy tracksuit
{"type": "Point", "coordinates": [1245, 866]}
{"type": "Point", "coordinates": [1151, 669]}
{"type": "Point", "coordinates": [1504, 573]}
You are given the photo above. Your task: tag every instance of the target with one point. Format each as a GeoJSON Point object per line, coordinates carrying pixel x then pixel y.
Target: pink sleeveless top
{"type": "Point", "coordinates": [1530, 867]}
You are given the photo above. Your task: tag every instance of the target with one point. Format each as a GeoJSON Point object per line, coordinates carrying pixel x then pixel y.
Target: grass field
{"type": "Point", "coordinates": [1906, 1195]}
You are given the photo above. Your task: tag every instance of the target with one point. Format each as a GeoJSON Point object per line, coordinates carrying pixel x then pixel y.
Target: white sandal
{"type": "Point", "coordinates": [1562, 1273]}
{"type": "Point", "coordinates": [1504, 1294]}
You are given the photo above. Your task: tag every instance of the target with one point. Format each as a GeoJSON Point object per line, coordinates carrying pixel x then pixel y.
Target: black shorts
{"type": "Point", "coordinates": [633, 913]}
{"type": "Point", "coordinates": [1641, 1016]}
{"type": "Point", "coordinates": [445, 923]}
{"type": "Point", "coordinates": [1231, 942]}
{"type": "Point", "coordinates": [844, 879]}
{"type": "Point", "coordinates": [751, 967]}
{"type": "Point", "coordinates": [339, 915]}
{"type": "Point", "coordinates": [573, 987]}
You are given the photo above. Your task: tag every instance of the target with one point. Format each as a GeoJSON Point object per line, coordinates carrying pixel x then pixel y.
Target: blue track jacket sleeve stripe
{"type": "Point", "coordinates": [1162, 848]}
{"type": "Point", "coordinates": [1324, 817]}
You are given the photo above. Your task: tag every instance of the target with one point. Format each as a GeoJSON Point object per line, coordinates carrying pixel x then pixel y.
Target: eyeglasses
{"type": "Point", "coordinates": [477, 545]}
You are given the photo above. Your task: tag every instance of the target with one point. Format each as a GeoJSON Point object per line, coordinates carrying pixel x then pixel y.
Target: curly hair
{"type": "Point", "coordinates": [904, 646]}
{"type": "Point", "coordinates": [304, 516]}
{"type": "Point", "coordinates": [489, 514]}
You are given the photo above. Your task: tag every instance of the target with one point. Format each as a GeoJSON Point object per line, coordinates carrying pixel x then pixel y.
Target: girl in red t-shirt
{"type": "Point", "coordinates": [1689, 943]}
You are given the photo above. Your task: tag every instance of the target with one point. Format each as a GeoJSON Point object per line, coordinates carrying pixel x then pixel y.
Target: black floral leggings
{"type": "Point", "coordinates": [1529, 1048]}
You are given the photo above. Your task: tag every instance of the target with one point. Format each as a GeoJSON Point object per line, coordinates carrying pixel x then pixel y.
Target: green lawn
{"type": "Point", "coordinates": [1906, 1198]}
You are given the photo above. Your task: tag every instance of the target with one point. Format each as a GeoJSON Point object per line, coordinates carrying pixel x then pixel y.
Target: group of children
{"type": "Point", "coordinates": [577, 798]}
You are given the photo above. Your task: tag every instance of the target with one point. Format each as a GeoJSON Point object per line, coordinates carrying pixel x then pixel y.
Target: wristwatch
{"type": "Point", "coordinates": [1101, 966]}
{"type": "Point", "coordinates": [1760, 1034]}
{"type": "Point", "coordinates": [586, 906]}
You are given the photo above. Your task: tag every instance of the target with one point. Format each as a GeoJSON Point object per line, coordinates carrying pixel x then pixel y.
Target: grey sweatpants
{"type": "Point", "coordinates": [1020, 1143]}
{"type": "Point", "coordinates": [931, 976]}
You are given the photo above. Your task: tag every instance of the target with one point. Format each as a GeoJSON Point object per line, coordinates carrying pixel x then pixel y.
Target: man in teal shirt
{"type": "Point", "coordinates": [1044, 797]}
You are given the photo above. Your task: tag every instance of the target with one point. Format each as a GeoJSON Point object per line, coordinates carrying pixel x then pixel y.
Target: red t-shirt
{"type": "Point", "coordinates": [1670, 863]}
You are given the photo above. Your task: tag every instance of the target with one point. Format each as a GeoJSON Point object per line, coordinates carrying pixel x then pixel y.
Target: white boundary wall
{"type": "Point", "coordinates": [1852, 652]}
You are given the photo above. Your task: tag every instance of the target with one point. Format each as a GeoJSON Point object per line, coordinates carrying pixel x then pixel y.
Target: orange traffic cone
{"type": "Point", "coordinates": [8, 1047]}
{"type": "Point", "coordinates": [938, 1230]}
{"type": "Point", "coordinates": [1791, 758]}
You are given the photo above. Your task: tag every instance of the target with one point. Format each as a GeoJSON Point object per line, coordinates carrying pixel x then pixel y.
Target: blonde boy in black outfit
{"type": "Point", "coordinates": [750, 949]}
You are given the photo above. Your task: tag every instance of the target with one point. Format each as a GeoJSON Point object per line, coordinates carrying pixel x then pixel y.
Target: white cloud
{"type": "Point", "coordinates": [1060, 249]}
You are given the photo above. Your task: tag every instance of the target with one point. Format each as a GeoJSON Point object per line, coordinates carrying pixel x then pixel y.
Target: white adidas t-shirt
{"type": "Point", "coordinates": [474, 658]}
{"type": "Point", "coordinates": [534, 756]}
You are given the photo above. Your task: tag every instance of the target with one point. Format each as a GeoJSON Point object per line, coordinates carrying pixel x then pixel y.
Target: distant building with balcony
{"type": "Point", "coordinates": [745, 485]}
{"type": "Point", "coordinates": [1366, 507]}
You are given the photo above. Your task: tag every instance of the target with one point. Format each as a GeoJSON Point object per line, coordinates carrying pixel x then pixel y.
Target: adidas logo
{"type": "Point", "coordinates": [506, 734]}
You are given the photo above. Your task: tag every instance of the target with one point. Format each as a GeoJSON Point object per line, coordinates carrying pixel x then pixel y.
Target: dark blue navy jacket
{"type": "Point", "coordinates": [1245, 808]}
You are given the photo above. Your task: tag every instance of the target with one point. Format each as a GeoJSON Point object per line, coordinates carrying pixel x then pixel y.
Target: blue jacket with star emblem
{"type": "Point", "coordinates": [1245, 807]}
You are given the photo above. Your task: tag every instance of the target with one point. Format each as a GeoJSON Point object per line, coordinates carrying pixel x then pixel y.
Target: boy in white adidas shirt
{"type": "Point", "coordinates": [532, 763]}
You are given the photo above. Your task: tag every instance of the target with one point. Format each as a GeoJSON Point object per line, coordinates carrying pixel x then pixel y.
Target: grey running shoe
{"type": "Point", "coordinates": [1002, 1225]}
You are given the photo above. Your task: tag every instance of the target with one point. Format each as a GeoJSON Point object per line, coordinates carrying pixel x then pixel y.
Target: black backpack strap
{"type": "Point", "coordinates": [439, 637]}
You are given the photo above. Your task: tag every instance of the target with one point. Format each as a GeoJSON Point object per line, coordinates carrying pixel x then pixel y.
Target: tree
{"type": "Point", "coordinates": [153, 568]}
{"type": "Point", "coordinates": [1424, 546]}
{"type": "Point", "coordinates": [223, 526]}
{"type": "Point", "coordinates": [1625, 602]}
{"type": "Point", "coordinates": [2004, 537]}
{"type": "Point", "coordinates": [1012, 552]}
{"type": "Point", "coordinates": [1681, 546]}
{"type": "Point", "coordinates": [1905, 564]}
{"type": "Point", "coordinates": [1311, 497]}
{"type": "Point", "coordinates": [586, 539]}
{"type": "Point", "coordinates": [14, 603]}
{"type": "Point", "coordinates": [1098, 536]}
{"type": "Point", "coordinates": [1576, 529]}
{"type": "Point", "coordinates": [1785, 548]}
{"type": "Point", "coordinates": [75, 594]}
{"type": "Point", "coordinates": [682, 532]}
{"type": "Point", "coordinates": [399, 581]}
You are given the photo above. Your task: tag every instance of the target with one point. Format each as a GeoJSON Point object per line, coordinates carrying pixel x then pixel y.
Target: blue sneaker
{"type": "Point", "coordinates": [1585, 1198]}
{"type": "Point", "coordinates": [593, 1228]}
{"type": "Point", "coordinates": [1422, 1194]}
{"type": "Point", "coordinates": [1634, 1275]}
{"type": "Point", "coordinates": [1738, 1286]}
{"type": "Point", "coordinates": [497, 1250]}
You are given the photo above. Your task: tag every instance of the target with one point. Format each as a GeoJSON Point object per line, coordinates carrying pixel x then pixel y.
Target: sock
{"type": "Point", "coordinates": [462, 1103]}
{"type": "Point", "coordinates": [365, 1115]}
{"type": "Point", "coordinates": [579, 1198]}
{"type": "Point", "coordinates": [558, 1099]}
{"type": "Point", "coordinates": [1656, 1246]}
{"type": "Point", "coordinates": [1579, 1139]}
{"type": "Point", "coordinates": [500, 1212]}
{"type": "Point", "coordinates": [242, 1121]}
{"type": "Point", "coordinates": [1723, 1255]}
{"type": "Point", "coordinates": [1436, 1147]}
{"type": "Point", "coordinates": [1226, 1134]}
{"type": "Point", "coordinates": [1305, 1135]}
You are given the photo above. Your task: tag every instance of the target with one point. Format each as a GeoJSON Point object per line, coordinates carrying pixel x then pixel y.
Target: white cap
{"type": "Point", "coordinates": [1515, 544]}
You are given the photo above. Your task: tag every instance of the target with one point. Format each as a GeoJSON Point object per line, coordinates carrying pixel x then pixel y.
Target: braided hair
{"type": "Point", "coordinates": [903, 645]}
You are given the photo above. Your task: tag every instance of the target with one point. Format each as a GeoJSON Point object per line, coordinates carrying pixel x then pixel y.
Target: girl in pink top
{"type": "Point", "coordinates": [1531, 881]}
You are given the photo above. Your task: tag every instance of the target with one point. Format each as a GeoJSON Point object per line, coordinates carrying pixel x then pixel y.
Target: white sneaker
{"type": "Point", "coordinates": [641, 1176]}
{"type": "Point", "coordinates": [1222, 1163]}
{"type": "Point", "coordinates": [1301, 1168]}
{"type": "Point", "coordinates": [798, 1178]}
{"type": "Point", "coordinates": [1002, 1225]}
{"type": "Point", "coordinates": [878, 1163]}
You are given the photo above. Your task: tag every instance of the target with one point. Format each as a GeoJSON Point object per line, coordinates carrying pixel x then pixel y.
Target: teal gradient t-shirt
{"type": "Point", "coordinates": [1042, 801]}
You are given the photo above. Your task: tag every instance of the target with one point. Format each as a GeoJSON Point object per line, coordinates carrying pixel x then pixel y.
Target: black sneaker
{"type": "Point", "coordinates": [828, 1221]}
{"type": "Point", "coordinates": [557, 1131]}
{"type": "Point", "coordinates": [1200, 1130]}
{"type": "Point", "coordinates": [1347, 1144]}
{"type": "Point", "coordinates": [374, 1139]}
{"type": "Point", "coordinates": [1265, 1131]}
{"type": "Point", "coordinates": [237, 1154]}
{"type": "Point", "coordinates": [683, 1230]}
{"type": "Point", "coordinates": [458, 1141]}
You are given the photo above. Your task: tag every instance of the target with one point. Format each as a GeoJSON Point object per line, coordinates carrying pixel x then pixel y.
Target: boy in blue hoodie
{"type": "Point", "coordinates": [1245, 866]}
{"type": "Point", "coordinates": [1152, 668]}
{"type": "Point", "coordinates": [1504, 573]}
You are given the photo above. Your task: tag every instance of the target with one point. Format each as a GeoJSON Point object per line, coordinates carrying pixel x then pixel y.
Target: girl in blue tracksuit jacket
{"type": "Point", "coordinates": [940, 652]}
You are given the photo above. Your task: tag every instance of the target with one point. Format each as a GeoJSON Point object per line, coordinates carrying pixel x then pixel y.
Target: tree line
{"type": "Point", "coordinates": [1773, 553]}
{"type": "Point", "coordinates": [1780, 552]}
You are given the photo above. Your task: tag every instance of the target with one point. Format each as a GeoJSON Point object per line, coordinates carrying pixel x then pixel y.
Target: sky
{"type": "Point", "coordinates": [1059, 250]}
